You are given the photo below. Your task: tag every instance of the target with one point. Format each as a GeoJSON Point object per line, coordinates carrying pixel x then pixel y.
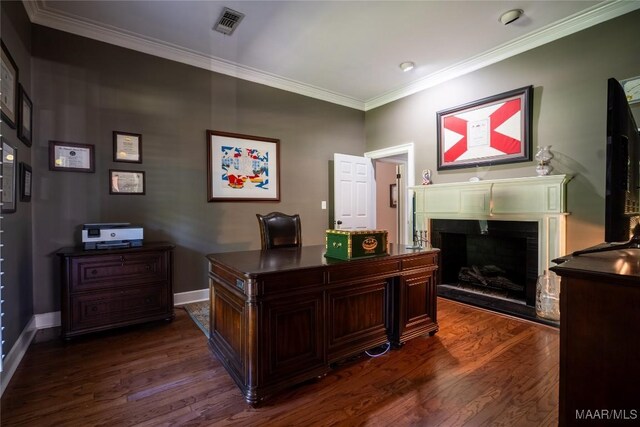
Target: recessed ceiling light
{"type": "Point", "coordinates": [407, 66]}
{"type": "Point", "coordinates": [510, 16]}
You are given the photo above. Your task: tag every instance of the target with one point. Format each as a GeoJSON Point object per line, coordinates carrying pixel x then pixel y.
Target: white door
{"type": "Point", "coordinates": [354, 192]}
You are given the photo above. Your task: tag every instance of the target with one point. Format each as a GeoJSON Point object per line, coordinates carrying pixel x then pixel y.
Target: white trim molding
{"type": "Point", "coordinates": [407, 149]}
{"type": "Point", "coordinates": [40, 14]}
{"type": "Point", "coordinates": [191, 296]}
{"type": "Point", "coordinates": [16, 354]}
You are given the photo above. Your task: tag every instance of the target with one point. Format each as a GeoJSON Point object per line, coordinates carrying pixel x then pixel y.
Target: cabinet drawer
{"type": "Point", "coordinates": [429, 260]}
{"type": "Point", "coordinates": [107, 271]}
{"type": "Point", "coordinates": [363, 269]}
{"type": "Point", "coordinates": [119, 307]}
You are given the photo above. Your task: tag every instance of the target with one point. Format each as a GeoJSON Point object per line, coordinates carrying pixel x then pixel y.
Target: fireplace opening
{"type": "Point", "coordinates": [488, 259]}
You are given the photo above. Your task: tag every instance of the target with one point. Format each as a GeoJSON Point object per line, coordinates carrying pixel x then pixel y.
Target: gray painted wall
{"type": "Point", "coordinates": [17, 236]}
{"type": "Point", "coordinates": [86, 89]}
{"type": "Point", "coordinates": [570, 84]}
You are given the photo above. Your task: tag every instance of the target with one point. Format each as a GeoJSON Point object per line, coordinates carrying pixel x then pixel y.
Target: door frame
{"type": "Point", "coordinates": [409, 180]}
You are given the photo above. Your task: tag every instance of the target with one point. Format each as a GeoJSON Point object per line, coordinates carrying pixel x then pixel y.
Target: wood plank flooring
{"type": "Point", "coordinates": [480, 369]}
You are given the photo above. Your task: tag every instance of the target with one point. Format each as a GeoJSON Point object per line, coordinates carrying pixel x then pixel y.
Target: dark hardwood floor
{"type": "Point", "coordinates": [480, 369]}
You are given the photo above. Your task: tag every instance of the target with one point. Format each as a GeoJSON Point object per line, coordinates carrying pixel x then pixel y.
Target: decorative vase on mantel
{"type": "Point", "coordinates": [544, 156]}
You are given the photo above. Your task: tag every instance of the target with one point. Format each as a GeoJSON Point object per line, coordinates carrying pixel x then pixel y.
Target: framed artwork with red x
{"type": "Point", "coordinates": [490, 131]}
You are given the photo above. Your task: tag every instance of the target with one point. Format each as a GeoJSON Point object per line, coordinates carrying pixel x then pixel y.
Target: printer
{"type": "Point", "coordinates": [111, 235]}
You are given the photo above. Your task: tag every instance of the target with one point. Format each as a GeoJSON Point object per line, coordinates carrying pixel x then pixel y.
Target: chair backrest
{"type": "Point", "coordinates": [278, 230]}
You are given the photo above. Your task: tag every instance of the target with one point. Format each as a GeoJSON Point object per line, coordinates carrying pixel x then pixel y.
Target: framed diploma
{"type": "Point", "coordinates": [25, 182]}
{"type": "Point", "coordinates": [9, 89]}
{"type": "Point", "coordinates": [71, 157]}
{"type": "Point", "coordinates": [25, 117]}
{"type": "Point", "coordinates": [127, 147]}
{"type": "Point", "coordinates": [9, 177]}
{"type": "Point", "coordinates": [490, 131]}
{"type": "Point", "coordinates": [126, 182]}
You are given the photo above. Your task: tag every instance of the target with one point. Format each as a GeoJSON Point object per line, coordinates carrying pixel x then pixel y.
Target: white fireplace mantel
{"type": "Point", "coordinates": [538, 198]}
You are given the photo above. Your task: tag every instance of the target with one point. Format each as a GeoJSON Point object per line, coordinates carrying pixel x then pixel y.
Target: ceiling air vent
{"type": "Point", "coordinates": [228, 21]}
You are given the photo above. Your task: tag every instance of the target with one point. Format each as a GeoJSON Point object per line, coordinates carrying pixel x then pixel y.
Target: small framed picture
{"type": "Point", "coordinates": [9, 92]}
{"type": "Point", "coordinates": [9, 177]}
{"type": "Point", "coordinates": [71, 157]}
{"type": "Point", "coordinates": [25, 182]}
{"type": "Point", "coordinates": [126, 182]}
{"type": "Point", "coordinates": [25, 117]}
{"type": "Point", "coordinates": [127, 147]}
{"type": "Point", "coordinates": [393, 195]}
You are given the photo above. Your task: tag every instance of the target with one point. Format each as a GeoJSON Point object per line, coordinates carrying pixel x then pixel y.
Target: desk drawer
{"type": "Point", "coordinates": [356, 270]}
{"type": "Point", "coordinates": [291, 281]}
{"type": "Point", "coordinates": [106, 271]}
{"type": "Point", "coordinates": [124, 306]}
{"type": "Point", "coordinates": [422, 261]}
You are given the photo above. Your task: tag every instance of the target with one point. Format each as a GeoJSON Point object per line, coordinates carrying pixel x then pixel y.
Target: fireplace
{"type": "Point", "coordinates": [491, 259]}
{"type": "Point", "coordinates": [506, 228]}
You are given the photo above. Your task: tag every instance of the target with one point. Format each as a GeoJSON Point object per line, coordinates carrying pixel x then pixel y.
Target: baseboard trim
{"type": "Point", "coordinates": [191, 296]}
{"type": "Point", "coordinates": [17, 352]}
{"type": "Point", "coordinates": [52, 320]}
{"type": "Point", "coordinates": [47, 320]}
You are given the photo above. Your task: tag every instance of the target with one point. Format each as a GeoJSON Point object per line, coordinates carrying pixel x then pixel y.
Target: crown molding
{"type": "Point", "coordinates": [595, 15]}
{"type": "Point", "coordinates": [39, 14]}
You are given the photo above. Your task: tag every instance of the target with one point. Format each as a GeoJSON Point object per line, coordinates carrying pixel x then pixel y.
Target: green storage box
{"type": "Point", "coordinates": [350, 244]}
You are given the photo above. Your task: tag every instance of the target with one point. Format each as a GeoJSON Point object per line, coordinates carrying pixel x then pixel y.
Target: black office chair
{"type": "Point", "coordinates": [278, 230]}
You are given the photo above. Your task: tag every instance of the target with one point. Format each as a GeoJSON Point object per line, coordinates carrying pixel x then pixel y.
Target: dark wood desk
{"type": "Point", "coordinates": [600, 338]}
{"type": "Point", "coordinates": [283, 316]}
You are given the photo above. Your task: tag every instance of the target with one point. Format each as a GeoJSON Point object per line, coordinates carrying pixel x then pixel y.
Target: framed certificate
{"type": "Point", "coordinates": [9, 177]}
{"type": "Point", "coordinates": [25, 182]}
{"type": "Point", "coordinates": [9, 89]}
{"type": "Point", "coordinates": [127, 147]}
{"type": "Point", "coordinates": [126, 182]}
{"type": "Point", "coordinates": [71, 157]}
{"type": "Point", "coordinates": [25, 117]}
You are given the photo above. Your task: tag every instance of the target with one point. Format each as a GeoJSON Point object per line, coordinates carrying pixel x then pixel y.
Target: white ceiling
{"type": "Point", "coordinates": [345, 52]}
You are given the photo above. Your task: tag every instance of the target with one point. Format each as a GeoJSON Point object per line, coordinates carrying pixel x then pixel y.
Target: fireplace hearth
{"type": "Point", "coordinates": [491, 264]}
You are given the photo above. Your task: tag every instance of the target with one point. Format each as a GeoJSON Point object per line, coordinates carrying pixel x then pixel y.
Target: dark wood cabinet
{"type": "Point", "coordinates": [293, 338]}
{"type": "Point", "coordinates": [283, 316]}
{"type": "Point", "coordinates": [416, 305]}
{"type": "Point", "coordinates": [599, 338]}
{"type": "Point", "coordinates": [103, 289]}
{"type": "Point", "coordinates": [357, 318]}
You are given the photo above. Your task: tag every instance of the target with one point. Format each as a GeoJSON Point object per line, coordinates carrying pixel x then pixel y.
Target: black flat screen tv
{"type": "Point", "coordinates": [622, 188]}
{"type": "Point", "coordinates": [622, 197]}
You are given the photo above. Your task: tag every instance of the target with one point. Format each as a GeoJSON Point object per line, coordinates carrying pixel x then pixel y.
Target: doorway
{"type": "Point", "coordinates": [396, 160]}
